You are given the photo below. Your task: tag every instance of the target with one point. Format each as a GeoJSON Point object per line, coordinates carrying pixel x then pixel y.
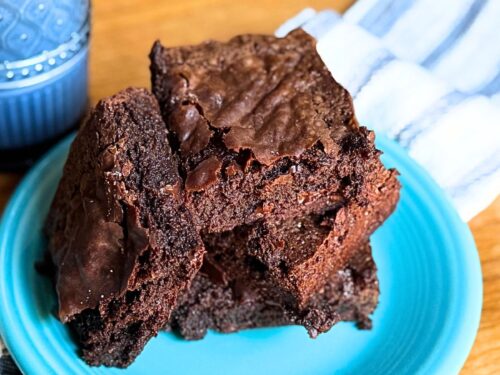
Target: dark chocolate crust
{"type": "Point", "coordinates": [116, 220]}
{"type": "Point", "coordinates": [262, 130]}
{"type": "Point", "coordinates": [232, 292]}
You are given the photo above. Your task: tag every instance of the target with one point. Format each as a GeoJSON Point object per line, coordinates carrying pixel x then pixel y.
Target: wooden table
{"type": "Point", "coordinates": [123, 32]}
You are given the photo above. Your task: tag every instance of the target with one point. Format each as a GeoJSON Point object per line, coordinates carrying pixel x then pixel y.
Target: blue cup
{"type": "Point", "coordinates": [43, 69]}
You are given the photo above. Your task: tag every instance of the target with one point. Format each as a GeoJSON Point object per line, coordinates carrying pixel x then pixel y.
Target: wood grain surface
{"type": "Point", "coordinates": [122, 34]}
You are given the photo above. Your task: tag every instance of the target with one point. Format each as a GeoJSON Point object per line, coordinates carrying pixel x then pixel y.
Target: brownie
{"type": "Point", "coordinates": [122, 242]}
{"type": "Point", "coordinates": [262, 131]}
{"type": "Point", "coordinates": [232, 292]}
{"type": "Point", "coordinates": [301, 253]}
{"type": "Point", "coordinates": [248, 162]}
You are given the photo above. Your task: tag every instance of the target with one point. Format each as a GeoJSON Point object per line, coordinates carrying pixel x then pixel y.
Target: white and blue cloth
{"type": "Point", "coordinates": [427, 74]}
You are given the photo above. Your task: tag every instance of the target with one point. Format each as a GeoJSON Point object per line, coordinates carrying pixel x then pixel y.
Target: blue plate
{"type": "Point", "coordinates": [430, 305]}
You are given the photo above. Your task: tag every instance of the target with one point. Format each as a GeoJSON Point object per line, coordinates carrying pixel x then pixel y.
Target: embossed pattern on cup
{"type": "Point", "coordinates": [43, 69]}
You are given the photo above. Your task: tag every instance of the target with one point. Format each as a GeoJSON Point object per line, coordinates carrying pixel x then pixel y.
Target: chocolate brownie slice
{"type": "Point", "coordinates": [301, 253]}
{"type": "Point", "coordinates": [262, 130]}
{"type": "Point", "coordinates": [123, 244]}
{"type": "Point", "coordinates": [232, 292]}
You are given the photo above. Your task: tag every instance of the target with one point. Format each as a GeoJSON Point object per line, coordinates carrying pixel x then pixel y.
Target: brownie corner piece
{"type": "Point", "coordinates": [261, 128]}
{"type": "Point", "coordinates": [300, 254]}
{"type": "Point", "coordinates": [123, 244]}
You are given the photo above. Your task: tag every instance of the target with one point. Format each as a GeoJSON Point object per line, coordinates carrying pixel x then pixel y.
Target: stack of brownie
{"type": "Point", "coordinates": [241, 194]}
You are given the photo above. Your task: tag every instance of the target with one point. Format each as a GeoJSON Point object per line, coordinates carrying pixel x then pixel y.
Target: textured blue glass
{"type": "Point", "coordinates": [43, 68]}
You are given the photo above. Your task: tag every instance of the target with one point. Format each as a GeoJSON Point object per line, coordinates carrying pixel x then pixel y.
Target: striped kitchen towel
{"type": "Point", "coordinates": [426, 75]}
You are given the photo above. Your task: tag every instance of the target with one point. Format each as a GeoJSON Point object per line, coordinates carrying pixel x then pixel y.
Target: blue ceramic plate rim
{"type": "Point", "coordinates": [449, 359]}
